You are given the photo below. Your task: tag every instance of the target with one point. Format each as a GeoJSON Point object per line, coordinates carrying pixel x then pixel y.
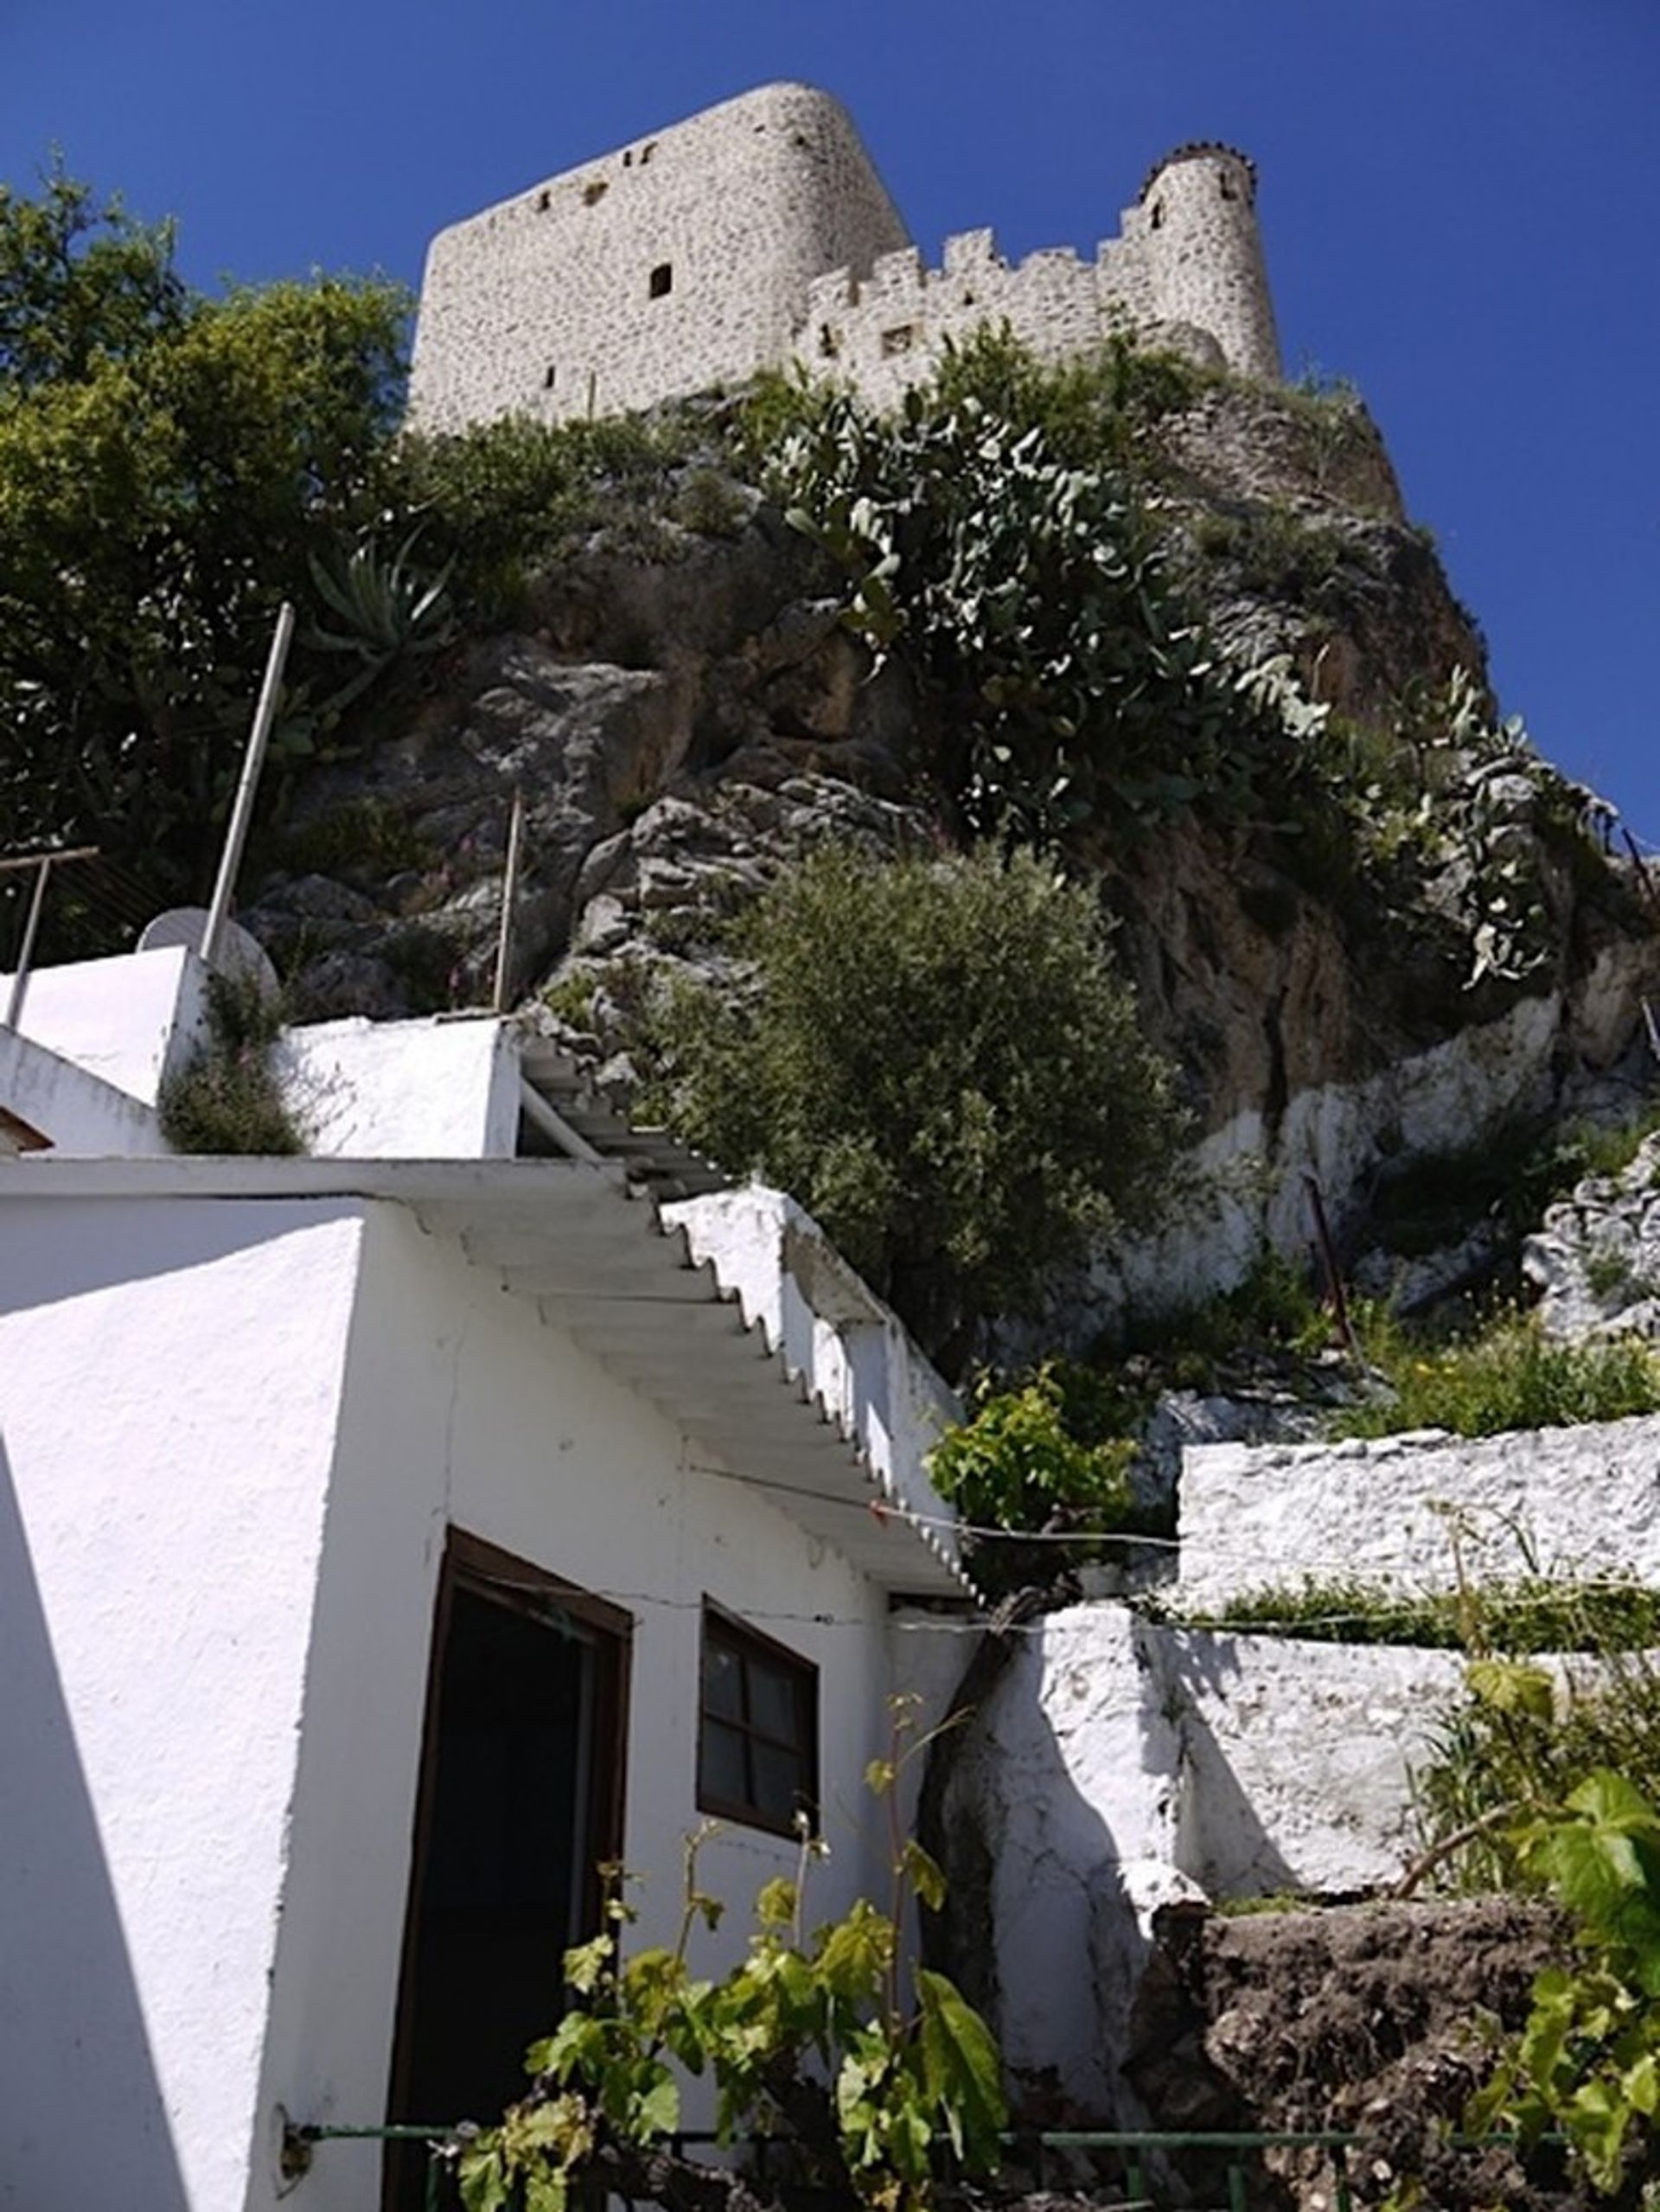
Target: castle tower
{"type": "Point", "coordinates": [677, 263]}
{"type": "Point", "coordinates": [1195, 222]}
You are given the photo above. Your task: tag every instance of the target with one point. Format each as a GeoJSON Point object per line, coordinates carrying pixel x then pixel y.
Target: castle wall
{"type": "Point", "coordinates": [891, 329]}
{"type": "Point", "coordinates": [678, 263]}
{"type": "Point", "coordinates": [758, 233]}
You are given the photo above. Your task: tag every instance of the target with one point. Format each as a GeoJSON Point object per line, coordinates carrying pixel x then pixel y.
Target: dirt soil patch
{"type": "Point", "coordinates": [1378, 2019]}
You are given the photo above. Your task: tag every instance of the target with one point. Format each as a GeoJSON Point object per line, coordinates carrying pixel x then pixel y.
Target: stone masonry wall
{"type": "Point", "coordinates": [1585, 1500]}
{"type": "Point", "coordinates": [759, 233]}
{"type": "Point", "coordinates": [1195, 229]}
{"type": "Point", "coordinates": [670, 265]}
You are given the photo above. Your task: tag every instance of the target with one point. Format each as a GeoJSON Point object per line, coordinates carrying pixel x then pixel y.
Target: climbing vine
{"type": "Point", "coordinates": [810, 2039]}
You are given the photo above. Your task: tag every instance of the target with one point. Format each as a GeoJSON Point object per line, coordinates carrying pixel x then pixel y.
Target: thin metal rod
{"type": "Point", "coordinates": [1333, 1274]}
{"type": "Point", "coordinates": [47, 853]}
{"type": "Point", "coordinates": [253, 761]}
{"type": "Point", "coordinates": [509, 893]}
{"type": "Point", "coordinates": [19, 981]}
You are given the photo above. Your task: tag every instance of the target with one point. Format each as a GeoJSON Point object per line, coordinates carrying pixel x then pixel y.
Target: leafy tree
{"type": "Point", "coordinates": [170, 464]}
{"type": "Point", "coordinates": [941, 1060]}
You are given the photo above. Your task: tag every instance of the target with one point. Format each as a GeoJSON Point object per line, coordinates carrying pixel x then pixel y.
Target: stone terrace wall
{"type": "Point", "coordinates": [1586, 1500]}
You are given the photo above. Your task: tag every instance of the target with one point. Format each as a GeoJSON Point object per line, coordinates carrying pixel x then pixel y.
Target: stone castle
{"type": "Point", "coordinates": [758, 234]}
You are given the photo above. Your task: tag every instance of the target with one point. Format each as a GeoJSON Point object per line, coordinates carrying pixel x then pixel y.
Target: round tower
{"type": "Point", "coordinates": [1203, 252]}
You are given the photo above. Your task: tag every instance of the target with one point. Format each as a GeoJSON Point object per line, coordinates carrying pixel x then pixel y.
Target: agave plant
{"type": "Point", "coordinates": [391, 607]}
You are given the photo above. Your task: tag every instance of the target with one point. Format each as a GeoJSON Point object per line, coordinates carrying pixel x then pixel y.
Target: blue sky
{"type": "Point", "coordinates": [1460, 201]}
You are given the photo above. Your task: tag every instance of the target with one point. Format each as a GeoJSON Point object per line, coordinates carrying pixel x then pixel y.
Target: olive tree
{"type": "Point", "coordinates": [939, 1058]}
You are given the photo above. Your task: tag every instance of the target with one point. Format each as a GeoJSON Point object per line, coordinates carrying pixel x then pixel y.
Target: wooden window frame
{"type": "Point", "coordinates": [732, 1631]}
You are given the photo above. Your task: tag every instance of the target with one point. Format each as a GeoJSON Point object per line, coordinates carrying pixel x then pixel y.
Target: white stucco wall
{"type": "Point", "coordinates": [79, 1112]}
{"type": "Point", "coordinates": [168, 1377]}
{"type": "Point", "coordinates": [1252, 1516]}
{"type": "Point", "coordinates": [130, 1019]}
{"type": "Point", "coordinates": [438, 1089]}
{"type": "Point", "coordinates": [461, 1407]}
{"type": "Point", "coordinates": [234, 1436]}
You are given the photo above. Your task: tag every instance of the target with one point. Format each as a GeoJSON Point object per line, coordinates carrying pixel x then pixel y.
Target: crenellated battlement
{"type": "Point", "coordinates": [758, 233]}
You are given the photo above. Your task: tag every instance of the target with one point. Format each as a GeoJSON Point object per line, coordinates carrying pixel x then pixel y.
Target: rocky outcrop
{"type": "Point", "coordinates": [685, 713]}
{"type": "Point", "coordinates": [1596, 1261]}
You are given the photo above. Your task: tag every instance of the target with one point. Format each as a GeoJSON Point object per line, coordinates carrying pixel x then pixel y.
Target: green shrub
{"type": "Point", "coordinates": [1274, 1309]}
{"type": "Point", "coordinates": [503, 498]}
{"type": "Point", "coordinates": [939, 1058]}
{"type": "Point", "coordinates": [1507, 1375]}
{"type": "Point", "coordinates": [226, 1099]}
{"type": "Point", "coordinates": [1020, 1463]}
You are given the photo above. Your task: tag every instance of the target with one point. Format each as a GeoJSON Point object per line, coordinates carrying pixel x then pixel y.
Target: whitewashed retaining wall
{"type": "Point", "coordinates": [1117, 1764]}
{"type": "Point", "coordinates": [78, 1111]}
{"type": "Point", "coordinates": [444, 1087]}
{"type": "Point", "coordinates": [1586, 1500]}
{"type": "Point", "coordinates": [130, 1020]}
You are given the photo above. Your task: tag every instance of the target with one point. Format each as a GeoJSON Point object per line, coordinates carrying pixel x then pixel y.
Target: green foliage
{"type": "Point", "coordinates": [1587, 2061]}
{"type": "Point", "coordinates": [1069, 683]}
{"type": "Point", "coordinates": [797, 2012]}
{"type": "Point", "coordinates": [1020, 1462]}
{"type": "Point", "coordinates": [1529, 1615]}
{"type": "Point", "coordinates": [1462, 804]}
{"type": "Point", "coordinates": [1507, 1375]}
{"type": "Point", "coordinates": [502, 498]}
{"type": "Point", "coordinates": [1273, 1310]}
{"type": "Point", "coordinates": [941, 1061]}
{"type": "Point", "coordinates": [170, 466]}
{"type": "Point", "coordinates": [368, 835]}
{"type": "Point", "coordinates": [390, 607]}
{"type": "Point", "coordinates": [226, 1099]}
{"type": "Point", "coordinates": [80, 283]}
{"type": "Point", "coordinates": [1507, 1178]}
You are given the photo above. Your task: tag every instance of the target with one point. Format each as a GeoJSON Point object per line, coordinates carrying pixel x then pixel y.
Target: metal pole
{"type": "Point", "coordinates": [509, 892]}
{"type": "Point", "coordinates": [19, 981]}
{"type": "Point", "coordinates": [1334, 1273]}
{"type": "Point", "coordinates": [242, 812]}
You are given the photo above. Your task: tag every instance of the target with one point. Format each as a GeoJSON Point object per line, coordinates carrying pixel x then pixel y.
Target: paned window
{"type": "Point", "coordinates": [759, 1728]}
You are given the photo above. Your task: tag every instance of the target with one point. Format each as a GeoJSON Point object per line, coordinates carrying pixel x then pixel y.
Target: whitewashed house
{"type": "Point", "coordinates": [387, 1536]}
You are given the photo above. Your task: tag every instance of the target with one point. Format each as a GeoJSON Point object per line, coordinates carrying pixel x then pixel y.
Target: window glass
{"type": "Point", "coordinates": [722, 1681]}
{"type": "Point", "coordinates": [772, 1701]}
{"type": "Point", "coordinates": [757, 1728]}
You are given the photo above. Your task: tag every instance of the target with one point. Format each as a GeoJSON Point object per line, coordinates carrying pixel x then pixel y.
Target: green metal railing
{"type": "Point", "coordinates": [1133, 2151]}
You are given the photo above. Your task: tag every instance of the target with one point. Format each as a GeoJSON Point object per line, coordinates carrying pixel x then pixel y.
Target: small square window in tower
{"type": "Point", "coordinates": [660, 283]}
{"type": "Point", "coordinates": [757, 1728]}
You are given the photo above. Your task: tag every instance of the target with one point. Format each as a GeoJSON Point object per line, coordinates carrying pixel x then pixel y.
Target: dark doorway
{"type": "Point", "coordinates": [521, 1800]}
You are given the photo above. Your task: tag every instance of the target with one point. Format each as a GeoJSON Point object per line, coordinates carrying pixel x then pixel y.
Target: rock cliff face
{"type": "Point", "coordinates": [684, 713]}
